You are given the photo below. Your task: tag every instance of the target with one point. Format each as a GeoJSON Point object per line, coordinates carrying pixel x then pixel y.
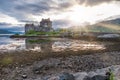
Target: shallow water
{"type": "Point", "coordinates": [8, 44]}
{"type": "Point", "coordinates": [21, 51]}
{"type": "Point", "coordinates": [47, 45]}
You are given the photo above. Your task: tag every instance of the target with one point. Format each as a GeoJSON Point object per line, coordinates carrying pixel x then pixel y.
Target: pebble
{"type": "Point", "coordinates": [85, 63]}
{"type": "Point", "coordinates": [24, 76]}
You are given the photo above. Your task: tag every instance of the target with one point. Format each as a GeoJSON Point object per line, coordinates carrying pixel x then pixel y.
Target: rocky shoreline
{"type": "Point", "coordinates": [99, 74]}
{"type": "Point", "coordinates": [53, 67]}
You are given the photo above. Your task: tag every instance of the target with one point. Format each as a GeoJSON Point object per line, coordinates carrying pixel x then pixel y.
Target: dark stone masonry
{"type": "Point", "coordinates": [45, 25]}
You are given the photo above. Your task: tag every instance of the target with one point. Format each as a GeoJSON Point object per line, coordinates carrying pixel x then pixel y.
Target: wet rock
{"type": "Point", "coordinates": [24, 76]}
{"type": "Point", "coordinates": [66, 76]}
{"type": "Point", "coordinates": [117, 75]}
{"type": "Point", "coordinates": [46, 67]}
{"type": "Point", "coordinates": [96, 77]}
{"type": "Point", "coordinates": [91, 74]}
{"type": "Point", "coordinates": [53, 78]}
{"type": "Point", "coordinates": [21, 65]}
{"type": "Point", "coordinates": [87, 78]}
{"type": "Point", "coordinates": [80, 76]}
{"type": "Point", "coordinates": [99, 77]}
{"type": "Point", "coordinates": [37, 79]}
{"type": "Point", "coordinates": [37, 70]}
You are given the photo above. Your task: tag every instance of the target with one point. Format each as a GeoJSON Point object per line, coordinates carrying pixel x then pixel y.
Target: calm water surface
{"type": "Point", "coordinates": [43, 45]}
{"type": "Point", "coordinates": [54, 44]}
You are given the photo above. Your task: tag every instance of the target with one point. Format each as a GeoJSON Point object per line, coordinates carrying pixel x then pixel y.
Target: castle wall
{"type": "Point", "coordinates": [45, 26]}
{"type": "Point", "coordinates": [29, 27]}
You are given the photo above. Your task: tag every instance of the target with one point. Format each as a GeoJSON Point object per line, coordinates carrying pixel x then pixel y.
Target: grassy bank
{"type": "Point", "coordinates": [35, 33]}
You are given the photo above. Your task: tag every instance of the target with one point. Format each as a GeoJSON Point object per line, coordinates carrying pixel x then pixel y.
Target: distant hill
{"type": "Point", "coordinates": [2, 31]}
{"type": "Point", "coordinates": [109, 26]}
{"type": "Point", "coordinates": [114, 21]}
{"type": "Point", "coordinates": [106, 26]}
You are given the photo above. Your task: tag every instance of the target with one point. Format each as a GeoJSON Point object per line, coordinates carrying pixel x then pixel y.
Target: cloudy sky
{"type": "Point", "coordinates": [64, 13]}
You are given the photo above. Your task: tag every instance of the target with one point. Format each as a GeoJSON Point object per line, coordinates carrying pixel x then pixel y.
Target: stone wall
{"type": "Point", "coordinates": [29, 27]}
{"type": "Point", "coordinates": [44, 26]}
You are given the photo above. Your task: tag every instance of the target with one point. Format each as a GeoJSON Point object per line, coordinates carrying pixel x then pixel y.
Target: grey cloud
{"type": "Point", "coordinates": [20, 8]}
{"type": "Point", "coordinates": [33, 8]}
{"type": "Point", "coordinates": [60, 23]}
{"type": "Point", "coordinates": [4, 24]}
{"type": "Point", "coordinates": [65, 5]}
{"type": "Point", "coordinates": [28, 21]}
{"type": "Point", "coordinates": [93, 2]}
{"type": "Point", "coordinates": [42, 6]}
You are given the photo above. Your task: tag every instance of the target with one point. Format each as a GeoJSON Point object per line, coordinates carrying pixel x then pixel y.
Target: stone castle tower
{"type": "Point", "coordinates": [44, 26]}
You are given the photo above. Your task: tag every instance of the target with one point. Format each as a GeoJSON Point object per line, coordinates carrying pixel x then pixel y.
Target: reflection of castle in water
{"type": "Point", "coordinates": [44, 46]}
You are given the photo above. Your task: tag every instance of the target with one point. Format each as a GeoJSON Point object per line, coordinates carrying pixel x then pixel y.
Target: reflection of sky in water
{"type": "Point", "coordinates": [4, 40]}
{"type": "Point", "coordinates": [76, 45]}
{"type": "Point", "coordinates": [55, 45]}
{"type": "Point", "coordinates": [7, 44]}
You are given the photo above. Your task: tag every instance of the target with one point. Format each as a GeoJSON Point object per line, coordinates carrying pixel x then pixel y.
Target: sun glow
{"type": "Point", "coordinates": [110, 26]}
{"type": "Point", "coordinates": [80, 14]}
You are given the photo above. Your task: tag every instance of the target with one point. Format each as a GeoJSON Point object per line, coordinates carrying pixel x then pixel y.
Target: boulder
{"type": "Point", "coordinates": [96, 77]}
{"type": "Point", "coordinates": [99, 77]}
{"type": "Point", "coordinates": [87, 78]}
{"type": "Point", "coordinates": [80, 76]}
{"type": "Point", "coordinates": [66, 76]}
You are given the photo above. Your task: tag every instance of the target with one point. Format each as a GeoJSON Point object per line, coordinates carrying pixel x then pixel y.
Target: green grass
{"type": "Point", "coordinates": [6, 61]}
{"type": "Point", "coordinates": [112, 76]}
{"type": "Point", "coordinates": [35, 33]}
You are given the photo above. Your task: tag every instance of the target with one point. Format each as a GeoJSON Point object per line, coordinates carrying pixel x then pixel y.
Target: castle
{"type": "Point", "coordinates": [44, 26]}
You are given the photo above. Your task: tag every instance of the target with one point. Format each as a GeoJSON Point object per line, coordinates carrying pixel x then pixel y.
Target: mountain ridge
{"type": "Point", "coordinates": [106, 26]}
